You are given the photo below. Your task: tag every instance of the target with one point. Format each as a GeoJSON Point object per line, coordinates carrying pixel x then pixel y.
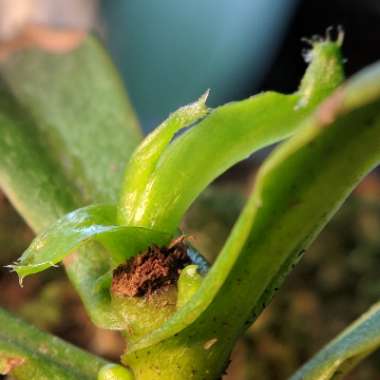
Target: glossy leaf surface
{"type": "Point", "coordinates": [97, 222]}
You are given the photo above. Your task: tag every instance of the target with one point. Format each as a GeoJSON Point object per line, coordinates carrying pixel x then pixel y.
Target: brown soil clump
{"type": "Point", "coordinates": [152, 270]}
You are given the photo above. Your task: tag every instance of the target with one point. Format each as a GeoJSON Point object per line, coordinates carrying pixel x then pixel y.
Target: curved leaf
{"type": "Point", "coordinates": [145, 159]}
{"type": "Point", "coordinates": [230, 134]}
{"type": "Point", "coordinates": [97, 222]}
{"type": "Point", "coordinates": [29, 354]}
{"type": "Point", "coordinates": [351, 346]}
{"type": "Point", "coordinates": [297, 191]}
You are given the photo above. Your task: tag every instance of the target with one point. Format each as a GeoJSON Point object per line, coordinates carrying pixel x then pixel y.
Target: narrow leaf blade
{"type": "Point", "coordinates": [351, 346]}
{"type": "Point", "coordinates": [77, 110]}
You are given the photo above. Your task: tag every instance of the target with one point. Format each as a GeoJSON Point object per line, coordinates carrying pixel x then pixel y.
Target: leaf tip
{"type": "Point", "coordinates": [335, 34]}
{"type": "Point", "coordinates": [21, 280]}
{"type": "Point", "coordinates": [204, 96]}
{"type": "Point", "coordinates": [15, 267]}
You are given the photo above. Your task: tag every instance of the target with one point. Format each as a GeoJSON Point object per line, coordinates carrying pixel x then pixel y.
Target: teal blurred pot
{"type": "Point", "coordinates": [171, 51]}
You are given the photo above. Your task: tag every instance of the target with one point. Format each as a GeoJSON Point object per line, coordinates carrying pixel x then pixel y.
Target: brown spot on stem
{"type": "Point", "coordinates": [210, 343]}
{"type": "Point", "coordinates": [11, 363]}
{"type": "Point", "coordinates": [154, 269]}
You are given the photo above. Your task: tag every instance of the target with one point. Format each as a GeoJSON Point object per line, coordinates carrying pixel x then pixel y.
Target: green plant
{"type": "Point", "coordinates": [66, 133]}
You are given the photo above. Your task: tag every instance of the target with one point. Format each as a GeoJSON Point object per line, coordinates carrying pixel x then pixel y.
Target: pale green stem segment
{"type": "Point", "coordinates": [355, 343]}
{"type": "Point", "coordinates": [297, 191]}
{"type": "Point", "coordinates": [228, 135]}
{"type": "Point", "coordinates": [115, 372]}
{"type": "Point", "coordinates": [188, 283]}
{"type": "Point", "coordinates": [146, 158]}
{"type": "Point", "coordinates": [29, 354]}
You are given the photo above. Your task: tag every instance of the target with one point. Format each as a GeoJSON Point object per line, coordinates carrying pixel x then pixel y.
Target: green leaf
{"type": "Point", "coordinates": [356, 342]}
{"type": "Point", "coordinates": [30, 177]}
{"type": "Point", "coordinates": [96, 222]}
{"type": "Point", "coordinates": [29, 354]}
{"type": "Point", "coordinates": [298, 189]}
{"type": "Point", "coordinates": [228, 135]}
{"type": "Point", "coordinates": [146, 157]}
{"type": "Point", "coordinates": [66, 131]}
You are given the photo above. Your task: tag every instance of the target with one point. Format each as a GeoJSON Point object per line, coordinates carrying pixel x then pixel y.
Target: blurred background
{"type": "Point", "coordinates": [169, 53]}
